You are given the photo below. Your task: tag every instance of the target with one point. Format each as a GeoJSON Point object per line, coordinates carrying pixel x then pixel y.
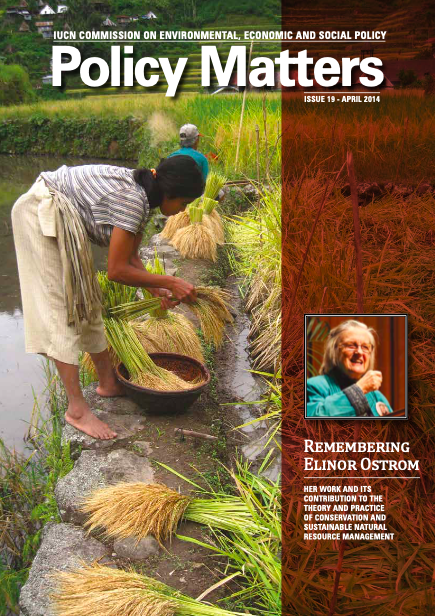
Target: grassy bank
{"type": "Point", "coordinates": [27, 500]}
{"type": "Point", "coordinates": [146, 128]}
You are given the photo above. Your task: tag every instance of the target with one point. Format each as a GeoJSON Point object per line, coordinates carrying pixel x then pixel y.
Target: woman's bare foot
{"type": "Point", "coordinates": [84, 420]}
{"type": "Point", "coordinates": [111, 391]}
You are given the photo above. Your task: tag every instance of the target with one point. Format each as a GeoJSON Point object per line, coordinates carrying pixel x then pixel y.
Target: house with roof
{"type": "Point", "coordinates": [45, 28]}
{"type": "Point", "coordinates": [24, 27]}
{"type": "Point", "coordinates": [47, 10]}
{"type": "Point", "coordinates": [123, 20]}
{"type": "Point", "coordinates": [108, 23]}
{"type": "Point", "coordinates": [149, 15]}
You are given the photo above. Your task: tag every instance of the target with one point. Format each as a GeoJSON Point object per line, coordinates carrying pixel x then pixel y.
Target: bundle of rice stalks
{"type": "Point", "coordinates": [114, 293]}
{"type": "Point", "coordinates": [174, 223]}
{"type": "Point", "coordinates": [212, 220]}
{"type": "Point", "coordinates": [195, 241]}
{"type": "Point", "coordinates": [215, 182]}
{"type": "Point", "coordinates": [102, 591]}
{"type": "Point", "coordinates": [163, 331]}
{"type": "Point", "coordinates": [142, 370]}
{"type": "Point", "coordinates": [135, 510]}
{"type": "Point", "coordinates": [211, 309]}
{"type": "Point", "coordinates": [138, 509]}
{"type": "Point", "coordinates": [168, 333]}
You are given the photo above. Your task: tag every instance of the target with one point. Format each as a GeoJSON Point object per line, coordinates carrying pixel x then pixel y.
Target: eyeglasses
{"type": "Point", "coordinates": [353, 346]}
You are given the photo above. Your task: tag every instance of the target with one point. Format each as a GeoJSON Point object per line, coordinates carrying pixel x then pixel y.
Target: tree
{"type": "Point", "coordinates": [15, 87]}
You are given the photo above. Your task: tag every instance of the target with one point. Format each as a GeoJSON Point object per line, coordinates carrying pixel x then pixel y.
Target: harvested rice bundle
{"type": "Point", "coordinates": [169, 333]}
{"type": "Point", "coordinates": [163, 331]}
{"type": "Point", "coordinates": [102, 591]}
{"type": "Point", "coordinates": [135, 510]}
{"type": "Point", "coordinates": [142, 370]}
{"type": "Point", "coordinates": [215, 182]}
{"type": "Point", "coordinates": [211, 308]}
{"type": "Point", "coordinates": [113, 293]}
{"type": "Point", "coordinates": [139, 509]}
{"type": "Point", "coordinates": [195, 241]}
{"type": "Point", "coordinates": [212, 220]}
{"type": "Point", "coordinates": [174, 223]}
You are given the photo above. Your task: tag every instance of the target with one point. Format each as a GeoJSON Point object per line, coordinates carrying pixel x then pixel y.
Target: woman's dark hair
{"type": "Point", "coordinates": [178, 176]}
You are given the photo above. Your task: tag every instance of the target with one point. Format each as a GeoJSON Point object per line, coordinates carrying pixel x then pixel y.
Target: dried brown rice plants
{"type": "Point", "coordinates": [195, 241]}
{"type": "Point", "coordinates": [172, 333]}
{"type": "Point", "coordinates": [211, 309]}
{"type": "Point", "coordinates": [103, 591]}
{"type": "Point", "coordinates": [174, 223]}
{"type": "Point", "coordinates": [256, 237]}
{"type": "Point", "coordinates": [377, 577]}
{"type": "Point", "coordinates": [135, 510]}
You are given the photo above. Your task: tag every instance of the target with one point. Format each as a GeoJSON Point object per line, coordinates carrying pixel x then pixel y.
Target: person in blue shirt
{"type": "Point", "coordinates": [348, 384]}
{"type": "Point", "coordinates": [189, 140]}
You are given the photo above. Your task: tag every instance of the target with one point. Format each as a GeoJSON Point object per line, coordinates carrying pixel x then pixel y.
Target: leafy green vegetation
{"type": "Point", "coordinates": [27, 500]}
{"type": "Point", "coordinates": [15, 87]}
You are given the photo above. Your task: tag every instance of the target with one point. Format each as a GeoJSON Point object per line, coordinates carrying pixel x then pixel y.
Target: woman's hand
{"type": "Point", "coordinates": [371, 381]}
{"type": "Point", "coordinates": [165, 296]}
{"type": "Point", "coordinates": [183, 290]}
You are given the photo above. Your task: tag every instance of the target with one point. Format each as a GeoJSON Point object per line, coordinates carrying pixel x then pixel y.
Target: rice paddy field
{"type": "Point", "coordinates": [218, 118]}
{"type": "Point", "coordinates": [389, 143]}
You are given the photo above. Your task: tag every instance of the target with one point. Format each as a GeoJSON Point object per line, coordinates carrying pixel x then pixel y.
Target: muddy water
{"type": "Point", "coordinates": [21, 375]}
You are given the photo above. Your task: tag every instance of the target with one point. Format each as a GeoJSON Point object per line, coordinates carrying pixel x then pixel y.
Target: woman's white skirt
{"type": "Point", "coordinates": [45, 314]}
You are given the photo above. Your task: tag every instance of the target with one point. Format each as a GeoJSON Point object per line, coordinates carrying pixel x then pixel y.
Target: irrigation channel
{"type": "Point", "coordinates": [148, 448]}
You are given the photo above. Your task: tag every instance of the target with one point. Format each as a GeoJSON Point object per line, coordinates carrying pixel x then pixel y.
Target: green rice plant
{"type": "Point", "coordinates": [114, 293]}
{"type": "Point", "coordinates": [215, 182]}
{"type": "Point", "coordinates": [102, 591]}
{"type": "Point", "coordinates": [257, 555]}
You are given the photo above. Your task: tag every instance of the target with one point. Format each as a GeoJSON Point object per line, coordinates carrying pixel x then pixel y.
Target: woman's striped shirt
{"type": "Point", "coordinates": [105, 196]}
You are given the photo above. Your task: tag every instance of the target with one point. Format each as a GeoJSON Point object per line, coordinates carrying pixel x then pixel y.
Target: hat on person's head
{"type": "Point", "coordinates": [189, 133]}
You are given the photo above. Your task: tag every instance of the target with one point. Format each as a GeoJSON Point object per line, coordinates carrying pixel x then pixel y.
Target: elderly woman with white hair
{"type": "Point", "coordinates": [348, 385]}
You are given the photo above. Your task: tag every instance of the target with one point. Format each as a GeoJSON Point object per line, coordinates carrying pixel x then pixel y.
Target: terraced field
{"type": "Point", "coordinates": [407, 30]}
{"type": "Point", "coordinates": [191, 81]}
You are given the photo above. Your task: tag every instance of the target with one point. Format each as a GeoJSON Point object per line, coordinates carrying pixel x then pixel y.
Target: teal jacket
{"type": "Point", "coordinates": [325, 398]}
{"type": "Point", "coordinates": [199, 158]}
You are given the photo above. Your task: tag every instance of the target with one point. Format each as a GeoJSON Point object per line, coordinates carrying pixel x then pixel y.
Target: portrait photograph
{"type": "Point", "coordinates": [356, 366]}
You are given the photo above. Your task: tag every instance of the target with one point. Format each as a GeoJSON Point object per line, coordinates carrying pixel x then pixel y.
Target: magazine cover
{"type": "Point", "coordinates": [178, 179]}
{"type": "Point", "coordinates": [140, 308]}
